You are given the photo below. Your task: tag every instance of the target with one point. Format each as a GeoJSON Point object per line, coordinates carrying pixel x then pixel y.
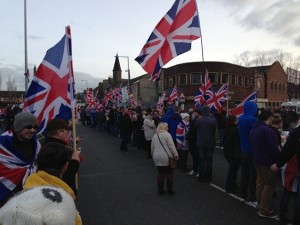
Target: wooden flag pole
{"type": "Point", "coordinates": [74, 143]}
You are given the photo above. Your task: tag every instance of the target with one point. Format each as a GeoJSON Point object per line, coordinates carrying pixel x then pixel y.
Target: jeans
{"type": "Point", "coordinates": [284, 205]}
{"type": "Point", "coordinates": [205, 163]}
{"type": "Point", "coordinates": [194, 154]}
{"type": "Point", "coordinates": [183, 156]}
{"type": "Point", "coordinates": [248, 178]}
{"type": "Point", "coordinates": [234, 165]}
{"type": "Point", "coordinates": [221, 135]}
{"type": "Point", "coordinates": [124, 142]}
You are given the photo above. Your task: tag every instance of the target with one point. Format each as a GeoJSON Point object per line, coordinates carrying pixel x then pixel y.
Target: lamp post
{"type": "Point", "coordinates": [86, 83]}
{"type": "Point", "coordinates": [25, 45]}
{"type": "Point", "coordinates": [129, 88]}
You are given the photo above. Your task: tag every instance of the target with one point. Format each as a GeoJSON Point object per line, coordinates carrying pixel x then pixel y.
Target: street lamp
{"type": "Point", "coordinates": [129, 88]}
{"type": "Point", "coordinates": [86, 83]}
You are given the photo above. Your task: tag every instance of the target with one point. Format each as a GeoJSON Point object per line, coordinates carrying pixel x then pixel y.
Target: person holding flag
{"type": "Point", "coordinates": [18, 151]}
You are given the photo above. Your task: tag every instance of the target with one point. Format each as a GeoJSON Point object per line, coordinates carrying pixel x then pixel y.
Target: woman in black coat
{"type": "Point", "coordinates": [232, 153]}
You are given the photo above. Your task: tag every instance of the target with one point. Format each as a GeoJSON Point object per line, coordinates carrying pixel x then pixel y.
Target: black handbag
{"type": "Point", "coordinates": [172, 161]}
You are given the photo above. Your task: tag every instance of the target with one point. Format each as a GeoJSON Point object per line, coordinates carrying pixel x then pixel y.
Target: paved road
{"type": "Point", "coordinates": [120, 189]}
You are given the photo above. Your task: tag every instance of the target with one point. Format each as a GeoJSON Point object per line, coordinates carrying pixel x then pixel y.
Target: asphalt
{"type": "Point", "coordinates": [117, 188]}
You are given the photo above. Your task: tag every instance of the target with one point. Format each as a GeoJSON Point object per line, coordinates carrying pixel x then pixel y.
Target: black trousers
{"type": "Point", "coordinates": [165, 172]}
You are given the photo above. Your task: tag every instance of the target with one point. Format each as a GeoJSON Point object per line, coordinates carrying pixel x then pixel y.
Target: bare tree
{"type": "Point", "coordinates": [11, 84]}
{"type": "Point", "coordinates": [237, 60]}
{"type": "Point", "coordinates": [244, 56]}
{"type": "Point", "coordinates": [260, 58]}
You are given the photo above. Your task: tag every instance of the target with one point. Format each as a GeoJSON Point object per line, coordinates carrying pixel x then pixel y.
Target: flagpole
{"type": "Point", "coordinates": [200, 35]}
{"type": "Point", "coordinates": [25, 44]}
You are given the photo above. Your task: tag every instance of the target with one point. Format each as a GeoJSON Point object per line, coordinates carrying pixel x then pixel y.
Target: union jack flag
{"type": "Point", "coordinates": [181, 133]}
{"type": "Point", "coordinates": [217, 99]}
{"type": "Point", "coordinates": [108, 97]}
{"type": "Point", "coordinates": [92, 104]}
{"type": "Point", "coordinates": [239, 109]}
{"type": "Point", "coordinates": [204, 92]}
{"type": "Point", "coordinates": [161, 100]}
{"type": "Point", "coordinates": [173, 96]}
{"type": "Point", "coordinates": [171, 37]}
{"type": "Point", "coordinates": [118, 94]}
{"type": "Point", "coordinates": [14, 168]}
{"type": "Point", "coordinates": [51, 92]}
{"type": "Point", "coordinates": [133, 102]}
{"type": "Point", "coordinates": [88, 96]}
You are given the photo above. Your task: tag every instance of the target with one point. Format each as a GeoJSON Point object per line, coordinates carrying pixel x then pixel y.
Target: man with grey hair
{"type": "Point", "coordinates": [18, 151]}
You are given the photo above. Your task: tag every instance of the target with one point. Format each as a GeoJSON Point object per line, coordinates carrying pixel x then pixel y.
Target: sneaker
{"type": "Point", "coordinates": [197, 174]}
{"type": "Point", "coordinates": [253, 204]}
{"type": "Point", "coordinates": [192, 172]}
{"type": "Point", "coordinates": [270, 215]}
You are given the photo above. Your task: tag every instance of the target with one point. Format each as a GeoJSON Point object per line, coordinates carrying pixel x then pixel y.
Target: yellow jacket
{"type": "Point", "coordinates": [42, 178]}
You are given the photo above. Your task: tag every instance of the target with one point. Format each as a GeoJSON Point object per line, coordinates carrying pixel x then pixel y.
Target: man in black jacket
{"type": "Point", "coordinates": [58, 130]}
{"type": "Point", "coordinates": [125, 130]}
{"type": "Point", "coordinates": [291, 148]}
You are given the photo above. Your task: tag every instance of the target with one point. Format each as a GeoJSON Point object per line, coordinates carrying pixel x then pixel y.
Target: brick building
{"type": "Point", "coordinates": [270, 81]}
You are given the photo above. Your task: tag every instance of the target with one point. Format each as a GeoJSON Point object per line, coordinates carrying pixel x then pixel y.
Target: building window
{"type": "Point", "coordinates": [247, 83]}
{"type": "Point", "coordinates": [275, 86]}
{"type": "Point", "coordinates": [174, 81]}
{"type": "Point", "coordinates": [279, 87]}
{"type": "Point", "coordinates": [213, 77]}
{"type": "Point", "coordinates": [224, 78]}
{"type": "Point", "coordinates": [283, 87]}
{"type": "Point", "coordinates": [167, 82]}
{"type": "Point", "coordinates": [240, 81]}
{"type": "Point", "coordinates": [182, 79]}
{"type": "Point", "coordinates": [170, 82]}
{"type": "Point", "coordinates": [272, 86]}
{"type": "Point", "coordinates": [233, 80]}
{"type": "Point", "coordinates": [196, 78]}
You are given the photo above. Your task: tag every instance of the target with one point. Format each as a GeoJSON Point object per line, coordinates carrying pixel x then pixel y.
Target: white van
{"type": "Point", "coordinates": [294, 105]}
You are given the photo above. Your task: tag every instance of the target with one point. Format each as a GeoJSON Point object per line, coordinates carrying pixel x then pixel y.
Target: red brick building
{"type": "Point", "coordinates": [271, 81]}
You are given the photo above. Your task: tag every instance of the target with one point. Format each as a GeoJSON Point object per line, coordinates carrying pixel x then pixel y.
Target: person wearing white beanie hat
{"type": "Point", "coordinates": [18, 151]}
{"type": "Point", "coordinates": [44, 205]}
{"type": "Point", "coordinates": [52, 162]}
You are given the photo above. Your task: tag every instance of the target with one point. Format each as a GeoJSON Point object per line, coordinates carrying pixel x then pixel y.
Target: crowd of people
{"type": "Point", "coordinates": [46, 169]}
{"type": "Point", "coordinates": [251, 143]}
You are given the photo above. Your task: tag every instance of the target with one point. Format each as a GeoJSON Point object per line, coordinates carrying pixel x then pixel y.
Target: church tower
{"type": "Point", "coordinates": [117, 72]}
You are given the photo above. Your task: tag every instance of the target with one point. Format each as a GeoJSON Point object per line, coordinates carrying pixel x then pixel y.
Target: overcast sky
{"type": "Point", "coordinates": [101, 29]}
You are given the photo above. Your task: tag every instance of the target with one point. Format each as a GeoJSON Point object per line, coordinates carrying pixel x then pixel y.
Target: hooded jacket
{"type": "Point", "coordinates": [245, 123]}
{"type": "Point", "coordinates": [165, 118]}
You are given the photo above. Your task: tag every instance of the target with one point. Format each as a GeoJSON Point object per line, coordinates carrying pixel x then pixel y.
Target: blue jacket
{"type": "Point", "coordinates": [173, 122]}
{"type": "Point", "coordinates": [165, 118]}
{"type": "Point", "coordinates": [245, 123]}
{"type": "Point", "coordinates": [264, 143]}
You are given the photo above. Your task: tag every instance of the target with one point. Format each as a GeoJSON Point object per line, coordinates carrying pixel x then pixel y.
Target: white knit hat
{"type": "Point", "coordinates": [44, 205]}
{"type": "Point", "coordinates": [184, 115]}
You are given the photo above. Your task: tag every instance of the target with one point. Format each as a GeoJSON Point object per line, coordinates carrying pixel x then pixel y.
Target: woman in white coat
{"type": "Point", "coordinates": [163, 147]}
{"type": "Point", "coordinates": [149, 131]}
